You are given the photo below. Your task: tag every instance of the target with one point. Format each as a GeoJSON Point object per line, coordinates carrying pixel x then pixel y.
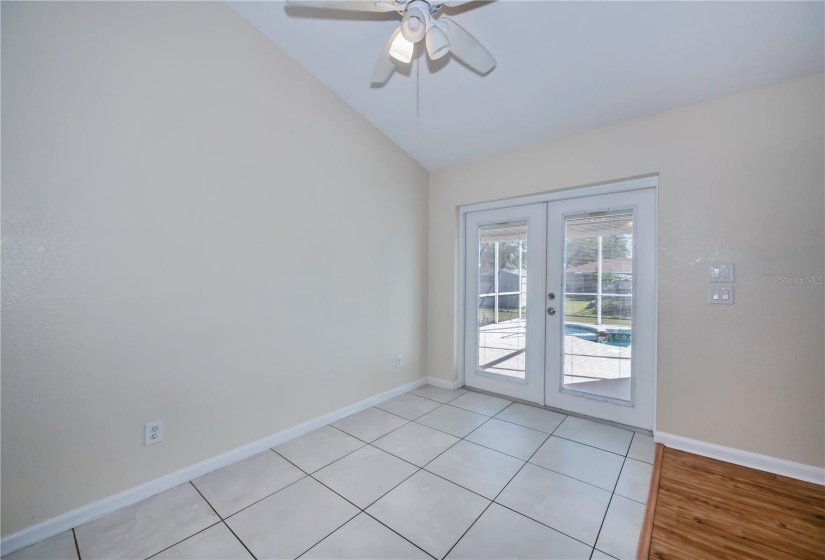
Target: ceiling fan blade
{"type": "Point", "coordinates": [465, 47]}
{"type": "Point", "coordinates": [348, 5]}
{"type": "Point", "coordinates": [384, 66]}
{"type": "Point", "coordinates": [456, 3]}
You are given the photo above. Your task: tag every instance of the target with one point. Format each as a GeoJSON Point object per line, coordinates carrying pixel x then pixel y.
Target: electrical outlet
{"type": "Point", "coordinates": [153, 432]}
{"type": "Point", "coordinates": [399, 361]}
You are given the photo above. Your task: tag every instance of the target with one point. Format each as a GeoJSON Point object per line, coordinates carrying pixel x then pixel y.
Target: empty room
{"type": "Point", "coordinates": [412, 279]}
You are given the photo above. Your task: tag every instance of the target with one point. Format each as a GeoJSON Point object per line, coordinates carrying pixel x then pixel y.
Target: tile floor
{"type": "Point", "coordinates": [430, 474]}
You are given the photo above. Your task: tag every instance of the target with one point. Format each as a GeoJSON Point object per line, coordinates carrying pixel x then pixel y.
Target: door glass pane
{"type": "Point", "coordinates": [598, 297]}
{"type": "Point", "coordinates": [502, 299]}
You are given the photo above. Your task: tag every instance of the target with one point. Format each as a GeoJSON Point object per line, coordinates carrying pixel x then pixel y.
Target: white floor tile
{"type": "Point", "coordinates": [558, 503]}
{"type": "Point", "coordinates": [476, 468]}
{"type": "Point", "coordinates": [287, 524]}
{"type": "Point", "coordinates": [582, 462]}
{"type": "Point", "coordinates": [437, 393]}
{"type": "Point", "coordinates": [365, 475]}
{"type": "Point", "coordinates": [241, 484]}
{"type": "Point", "coordinates": [147, 527]}
{"type": "Point", "coordinates": [609, 438]}
{"type": "Point", "coordinates": [370, 424]}
{"type": "Point", "coordinates": [215, 543]}
{"type": "Point", "coordinates": [502, 533]}
{"type": "Point", "coordinates": [531, 417]}
{"type": "Point", "coordinates": [619, 536]}
{"type": "Point", "coordinates": [483, 404]}
{"type": "Point", "coordinates": [58, 547]}
{"type": "Point", "coordinates": [429, 511]}
{"type": "Point", "coordinates": [318, 449]}
{"type": "Point", "coordinates": [416, 443]}
{"type": "Point", "coordinates": [408, 406]}
{"type": "Point", "coordinates": [455, 421]}
{"type": "Point", "coordinates": [567, 505]}
{"type": "Point", "coordinates": [642, 448]}
{"type": "Point", "coordinates": [508, 438]}
{"type": "Point", "coordinates": [364, 538]}
{"type": "Point", "coordinates": [634, 482]}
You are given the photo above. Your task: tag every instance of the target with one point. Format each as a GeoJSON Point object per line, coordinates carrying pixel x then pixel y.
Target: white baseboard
{"type": "Point", "coordinates": [449, 385]}
{"type": "Point", "coordinates": [743, 458]}
{"type": "Point", "coordinates": [89, 512]}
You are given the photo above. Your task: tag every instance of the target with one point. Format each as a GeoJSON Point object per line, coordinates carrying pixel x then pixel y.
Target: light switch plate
{"type": "Point", "coordinates": [721, 294]}
{"type": "Point", "coordinates": [721, 272]}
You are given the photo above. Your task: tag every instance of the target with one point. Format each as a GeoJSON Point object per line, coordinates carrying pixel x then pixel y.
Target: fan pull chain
{"type": "Point", "coordinates": [417, 67]}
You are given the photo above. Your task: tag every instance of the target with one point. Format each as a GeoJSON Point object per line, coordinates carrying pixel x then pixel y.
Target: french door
{"type": "Point", "coordinates": [560, 304]}
{"type": "Point", "coordinates": [505, 295]}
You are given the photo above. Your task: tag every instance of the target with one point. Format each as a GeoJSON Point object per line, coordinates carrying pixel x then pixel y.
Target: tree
{"type": "Point", "coordinates": [508, 258]}
{"type": "Point", "coordinates": [583, 250]}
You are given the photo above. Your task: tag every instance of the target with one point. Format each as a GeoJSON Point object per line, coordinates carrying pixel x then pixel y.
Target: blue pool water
{"type": "Point", "coordinates": [586, 333]}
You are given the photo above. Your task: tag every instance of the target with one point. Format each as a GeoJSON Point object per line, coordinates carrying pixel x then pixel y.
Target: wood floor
{"type": "Point", "coordinates": [711, 509]}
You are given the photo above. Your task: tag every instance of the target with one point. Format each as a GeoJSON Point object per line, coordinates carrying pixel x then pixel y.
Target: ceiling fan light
{"type": "Point", "coordinates": [401, 49]}
{"type": "Point", "coordinates": [414, 25]}
{"type": "Point", "coordinates": [437, 43]}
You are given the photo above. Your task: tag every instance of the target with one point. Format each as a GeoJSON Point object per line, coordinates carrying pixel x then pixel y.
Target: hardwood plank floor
{"type": "Point", "coordinates": [711, 509]}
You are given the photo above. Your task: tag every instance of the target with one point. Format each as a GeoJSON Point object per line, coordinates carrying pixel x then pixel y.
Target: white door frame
{"type": "Point", "coordinates": [631, 184]}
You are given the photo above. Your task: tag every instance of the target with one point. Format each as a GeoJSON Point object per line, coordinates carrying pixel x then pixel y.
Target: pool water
{"type": "Point", "coordinates": [591, 334]}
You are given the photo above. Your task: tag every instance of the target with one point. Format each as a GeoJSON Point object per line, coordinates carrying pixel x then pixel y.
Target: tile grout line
{"type": "Point", "coordinates": [76, 546]}
{"type": "Point", "coordinates": [360, 510]}
{"type": "Point", "coordinates": [436, 400]}
{"type": "Point", "coordinates": [243, 544]}
{"type": "Point", "coordinates": [455, 544]}
{"type": "Point", "coordinates": [363, 510]}
{"type": "Point", "coordinates": [329, 534]}
{"type": "Point", "coordinates": [527, 516]}
{"type": "Point", "coordinates": [368, 514]}
{"type": "Point", "coordinates": [610, 501]}
{"type": "Point", "coordinates": [309, 475]}
{"type": "Point", "coordinates": [264, 498]}
{"type": "Point", "coordinates": [594, 419]}
{"type": "Point", "coordinates": [222, 520]}
{"type": "Point", "coordinates": [493, 501]}
{"type": "Point", "coordinates": [186, 539]}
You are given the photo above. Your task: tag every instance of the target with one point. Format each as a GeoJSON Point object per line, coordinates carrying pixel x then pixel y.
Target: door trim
{"type": "Point", "coordinates": [608, 187]}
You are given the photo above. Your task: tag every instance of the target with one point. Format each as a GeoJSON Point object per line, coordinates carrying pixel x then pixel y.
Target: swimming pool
{"type": "Point", "coordinates": [616, 337]}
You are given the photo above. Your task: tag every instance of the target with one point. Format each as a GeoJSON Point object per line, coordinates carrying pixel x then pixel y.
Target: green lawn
{"type": "Point", "coordinates": [575, 312]}
{"type": "Point", "coordinates": [503, 314]}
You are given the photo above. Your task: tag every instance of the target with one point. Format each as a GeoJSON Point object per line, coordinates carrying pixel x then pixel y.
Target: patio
{"type": "Point", "coordinates": [590, 367]}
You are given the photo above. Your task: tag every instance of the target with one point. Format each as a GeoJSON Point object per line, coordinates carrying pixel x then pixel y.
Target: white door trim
{"type": "Point", "coordinates": [621, 185]}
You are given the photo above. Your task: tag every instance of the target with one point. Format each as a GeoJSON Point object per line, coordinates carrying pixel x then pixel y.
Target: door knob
{"type": "Point", "coordinates": [551, 310]}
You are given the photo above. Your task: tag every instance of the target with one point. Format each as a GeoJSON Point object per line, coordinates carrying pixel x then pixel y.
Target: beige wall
{"type": "Point", "coordinates": [741, 180]}
{"type": "Point", "coordinates": [194, 230]}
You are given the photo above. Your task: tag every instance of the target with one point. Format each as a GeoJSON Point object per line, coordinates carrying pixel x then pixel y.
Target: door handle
{"type": "Point", "coordinates": [551, 310]}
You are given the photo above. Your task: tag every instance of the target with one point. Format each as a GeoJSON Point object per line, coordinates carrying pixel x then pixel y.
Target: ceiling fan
{"type": "Point", "coordinates": [420, 20]}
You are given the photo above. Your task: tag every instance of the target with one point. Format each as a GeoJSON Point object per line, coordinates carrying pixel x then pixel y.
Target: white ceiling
{"type": "Point", "coordinates": [563, 67]}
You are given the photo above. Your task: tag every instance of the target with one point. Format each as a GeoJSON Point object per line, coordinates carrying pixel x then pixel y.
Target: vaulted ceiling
{"type": "Point", "coordinates": [563, 67]}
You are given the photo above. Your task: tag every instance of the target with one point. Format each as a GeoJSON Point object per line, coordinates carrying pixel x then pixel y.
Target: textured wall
{"type": "Point", "coordinates": [741, 180]}
{"type": "Point", "coordinates": [194, 229]}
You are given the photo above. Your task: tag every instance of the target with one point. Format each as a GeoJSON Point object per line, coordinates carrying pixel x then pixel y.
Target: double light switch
{"type": "Point", "coordinates": [721, 283]}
